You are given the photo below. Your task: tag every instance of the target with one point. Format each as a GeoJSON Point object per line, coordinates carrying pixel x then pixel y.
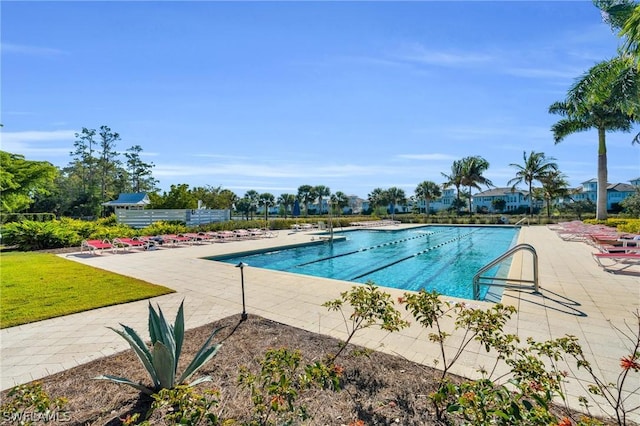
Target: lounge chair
{"type": "Point", "coordinates": [94, 245]}
{"type": "Point", "coordinates": [620, 261]}
{"type": "Point", "coordinates": [177, 239]}
{"type": "Point", "coordinates": [129, 243]}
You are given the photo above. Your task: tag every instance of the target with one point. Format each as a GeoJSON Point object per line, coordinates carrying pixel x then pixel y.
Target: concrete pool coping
{"type": "Point", "coordinates": [577, 297]}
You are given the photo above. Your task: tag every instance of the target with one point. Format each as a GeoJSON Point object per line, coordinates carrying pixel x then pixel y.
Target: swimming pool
{"type": "Point", "coordinates": [441, 258]}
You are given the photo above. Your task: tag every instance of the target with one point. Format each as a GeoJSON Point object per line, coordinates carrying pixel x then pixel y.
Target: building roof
{"type": "Point", "coordinates": [497, 192]}
{"type": "Point", "coordinates": [132, 199]}
{"type": "Point", "coordinates": [621, 187]}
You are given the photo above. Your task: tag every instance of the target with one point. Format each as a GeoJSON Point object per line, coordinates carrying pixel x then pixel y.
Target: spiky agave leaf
{"type": "Point", "coordinates": [178, 333]}
{"type": "Point", "coordinates": [124, 381]}
{"type": "Point", "coordinates": [204, 354]}
{"type": "Point", "coordinates": [140, 350]}
{"type": "Point", "coordinates": [163, 362]}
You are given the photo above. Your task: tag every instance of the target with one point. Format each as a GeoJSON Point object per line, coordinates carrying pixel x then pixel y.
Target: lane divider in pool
{"type": "Point", "coordinates": [459, 237]}
{"type": "Point", "coordinates": [421, 235]}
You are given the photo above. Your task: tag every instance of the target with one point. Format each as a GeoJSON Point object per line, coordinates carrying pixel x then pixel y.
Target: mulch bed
{"type": "Point", "coordinates": [378, 389]}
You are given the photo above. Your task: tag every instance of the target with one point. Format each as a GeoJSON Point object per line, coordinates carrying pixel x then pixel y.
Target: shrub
{"type": "Point", "coordinates": [30, 404]}
{"type": "Point", "coordinates": [161, 362]}
{"type": "Point", "coordinates": [29, 235]}
{"type": "Point", "coordinates": [161, 228]}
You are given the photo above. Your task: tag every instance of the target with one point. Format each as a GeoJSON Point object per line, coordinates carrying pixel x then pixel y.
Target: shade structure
{"type": "Point", "coordinates": [296, 209]}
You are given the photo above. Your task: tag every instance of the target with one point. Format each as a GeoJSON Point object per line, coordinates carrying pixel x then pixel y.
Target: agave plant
{"type": "Point", "coordinates": [161, 361]}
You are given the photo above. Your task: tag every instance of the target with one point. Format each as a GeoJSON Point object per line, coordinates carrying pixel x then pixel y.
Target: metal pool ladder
{"type": "Point", "coordinates": [478, 276]}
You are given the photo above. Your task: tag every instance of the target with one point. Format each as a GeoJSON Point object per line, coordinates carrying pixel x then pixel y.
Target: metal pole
{"type": "Point", "coordinates": [241, 265]}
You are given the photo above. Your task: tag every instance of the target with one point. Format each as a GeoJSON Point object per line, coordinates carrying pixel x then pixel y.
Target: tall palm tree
{"type": "Point", "coordinates": [455, 179]}
{"type": "Point", "coordinates": [339, 200]}
{"type": "Point", "coordinates": [534, 167]}
{"type": "Point", "coordinates": [377, 198]}
{"type": "Point", "coordinates": [320, 192]}
{"type": "Point", "coordinates": [624, 16]}
{"type": "Point", "coordinates": [253, 196]}
{"type": "Point", "coordinates": [592, 103]}
{"type": "Point", "coordinates": [265, 200]}
{"type": "Point", "coordinates": [395, 195]}
{"type": "Point", "coordinates": [287, 201]}
{"type": "Point", "coordinates": [472, 169]}
{"type": "Point", "coordinates": [305, 195]}
{"type": "Point", "coordinates": [427, 191]}
{"type": "Point", "coordinates": [554, 185]}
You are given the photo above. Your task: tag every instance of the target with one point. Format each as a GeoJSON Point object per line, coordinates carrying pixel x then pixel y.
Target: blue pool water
{"type": "Point", "coordinates": [441, 258]}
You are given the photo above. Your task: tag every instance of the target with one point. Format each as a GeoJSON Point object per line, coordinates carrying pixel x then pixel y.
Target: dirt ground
{"type": "Point", "coordinates": [378, 389]}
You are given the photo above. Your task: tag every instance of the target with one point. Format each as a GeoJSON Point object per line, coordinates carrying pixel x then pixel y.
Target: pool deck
{"type": "Point", "coordinates": [577, 297]}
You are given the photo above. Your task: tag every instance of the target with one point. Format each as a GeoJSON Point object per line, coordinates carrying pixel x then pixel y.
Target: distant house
{"type": "Point", "coordinates": [443, 202]}
{"type": "Point", "coordinates": [132, 201]}
{"type": "Point", "coordinates": [514, 199]}
{"type": "Point", "coordinates": [616, 192]}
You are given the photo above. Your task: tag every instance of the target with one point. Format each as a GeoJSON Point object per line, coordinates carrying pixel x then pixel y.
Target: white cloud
{"type": "Point", "coordinates": [418, 53]}
{"type": "Point", "coordinates": [35, 142]}
{"type": "Point", "coordinates": [30, 50]}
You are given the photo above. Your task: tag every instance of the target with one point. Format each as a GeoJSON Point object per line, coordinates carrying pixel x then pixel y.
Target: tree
{"type": "Point", "coordinates": [139, 172]}
{"type": "Point", "coordinates": [84, 158]}
{"type": "Point", "coordinates": [265, 200]}
{"type": "Point", "coordinates": [499, 204]}
{"type": "Point", "coordinates": [554, 185]}
{"type": "Point", "coordinates": [321, 191]}
{"type": "Point", "coordinates": [225, 200]}
{"type": "Point", "coordinates": [244, 206]}
{"type": "Point", "coordinates": [631, 204]}
{"type": "Point", "coordinates": [253, 197]}
{"type": "Point", "coordinates": [428, 191]}
{"type": "Point", "coordinates": [21, 180]}
{"type": "Point", "coordinates": [395, 196]}
{"type": "Point", "coordinates": [178, 197]}
{"type": "Point", "coordinates": [534, 167]}
{"type": "Point", "coordinates": [472, 169]}
{"type": "Point", "coordinates": [339, 200]}
{"type": "Point", "coordinates": [108, 162]}
{"type": "Point", "coordinates": [455, 179]}
{"type": "Point", "coordinates": [591, 103]}
{"type": "Point", "coordinates": [377, 198]}
{"type": "Point", "coordinates": [305, 195]}
{"type": "Point", "coordinates": [287, 201]}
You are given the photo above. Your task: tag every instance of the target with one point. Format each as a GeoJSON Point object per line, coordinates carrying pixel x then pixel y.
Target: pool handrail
{"type": "Point", "coordinates": [478, 276]}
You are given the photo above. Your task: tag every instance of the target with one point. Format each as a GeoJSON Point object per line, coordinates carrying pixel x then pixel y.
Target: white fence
{"type": "Point", "coordinates": [142, 218]}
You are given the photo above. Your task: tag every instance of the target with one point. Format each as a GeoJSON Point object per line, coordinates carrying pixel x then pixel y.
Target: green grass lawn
{"type": "Point", "coordinates": [37, 286]}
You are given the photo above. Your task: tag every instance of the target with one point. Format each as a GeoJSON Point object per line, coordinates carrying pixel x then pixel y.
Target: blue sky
{"type": "Point", "coordinates": [273, 95]}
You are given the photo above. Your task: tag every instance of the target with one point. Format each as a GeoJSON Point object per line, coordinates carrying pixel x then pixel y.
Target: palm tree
{"type": "Point", "coordinates": [625, 17]}
{"type": "Point", "coordinates": [339, 200]}
{"type": "Point", "coordinates": [592, 103]}
{"type": "Point", "coordinates": [472, 170]}
{"type": "Point", "coordinates": [554, 185]}
{"type": "Point", "coordinates": [320, 192]}
{"type": "Point", "coordinates": [265, 200]}
{"type": "Point", "coordinates": [377, 198]}
{"type": "Point", "coordinates": [395, 195]}
{"type": "Point", "coordinates": [428, 191]}
{"type": "Point", "coordinates": [287, 201]}
{"type": "Point", "coordinates": [535, 167]}
{"type": "Point", "coordinates": [305, 195]}
{"type": "Point", "coordinates": [455, 179]}
{"type": "Point", "coordinates": [253, 197]}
